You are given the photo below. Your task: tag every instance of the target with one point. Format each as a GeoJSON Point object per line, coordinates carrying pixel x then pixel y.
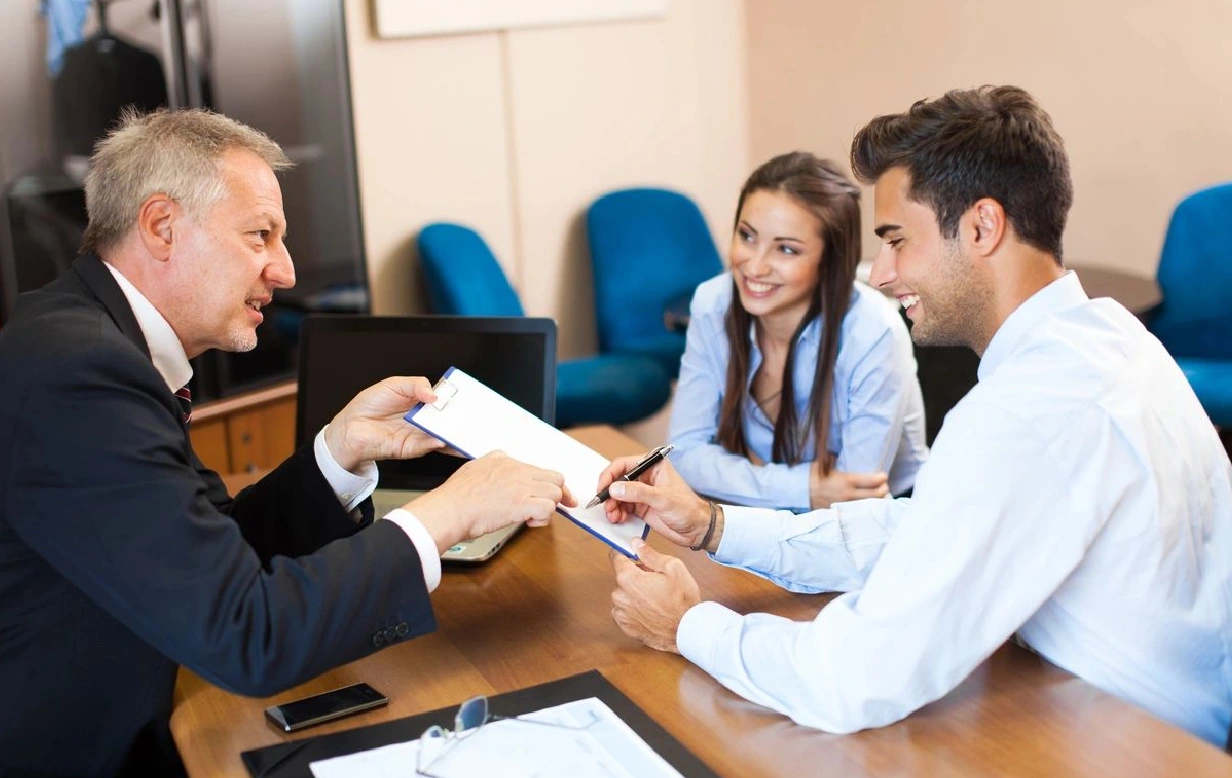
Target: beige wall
{"type": "Point", "coordinates": [515, 133]}
{"type": "Point", "coordinates": [1138, 89]}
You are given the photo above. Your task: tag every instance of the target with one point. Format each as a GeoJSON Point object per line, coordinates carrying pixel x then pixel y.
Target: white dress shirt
{"type": "Point", "coordinates": [171, 362]}
{"type": "Point", "coordinates": [1078, 496]}
{"type": "Point", "coordinates": [876, 409]}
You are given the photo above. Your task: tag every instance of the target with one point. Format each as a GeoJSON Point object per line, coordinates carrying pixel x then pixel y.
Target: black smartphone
{"type": "Point", "coordinates": [325, 706]}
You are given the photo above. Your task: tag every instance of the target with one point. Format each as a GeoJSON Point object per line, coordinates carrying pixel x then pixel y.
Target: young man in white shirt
{"type": "Point", "coordinates": [1077, 496]}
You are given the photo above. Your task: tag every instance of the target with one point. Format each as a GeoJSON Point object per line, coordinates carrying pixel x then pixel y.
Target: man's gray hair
{"type": "Point", "coordinates": [178, 153]}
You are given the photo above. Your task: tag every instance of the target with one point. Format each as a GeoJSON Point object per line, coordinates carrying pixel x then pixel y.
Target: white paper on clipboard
{"type": "Point", "coordinates": [475, 420]}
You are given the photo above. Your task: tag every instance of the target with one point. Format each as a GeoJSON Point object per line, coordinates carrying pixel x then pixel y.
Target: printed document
{"type": "Point", "coordinates": [588, 741]}
{"type": "Point", "coordinates": [475, 420]}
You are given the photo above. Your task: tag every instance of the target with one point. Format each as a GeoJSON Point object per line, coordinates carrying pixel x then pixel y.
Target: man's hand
{"type": "Point", "coordinates": [650, 599]}
{"type": "Point", "coordinates": [371, 426]}
{"type": "Point", "coordinates": [660, 497]}
{"type": "Point", "coordinates": [487, 494]}
{"type": "Point", "coordinates": [825, 490]}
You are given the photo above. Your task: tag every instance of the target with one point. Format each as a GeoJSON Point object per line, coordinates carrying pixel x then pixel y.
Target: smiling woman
{"type": "Point", "coordinates": [797, 387]}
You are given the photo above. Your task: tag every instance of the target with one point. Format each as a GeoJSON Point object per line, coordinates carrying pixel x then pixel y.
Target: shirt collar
{"type": "Point", "coordinates": [1065, 292]}
{"type": "Point", "coordinates": [166, 351]}
{"type": "Point", "coordinates": [811, 334]}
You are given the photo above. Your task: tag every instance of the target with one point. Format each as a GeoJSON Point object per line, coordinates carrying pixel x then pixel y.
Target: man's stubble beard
{"type": "Point", "coordinates": [954, 310]}
{"type": "Point", "coordinates": [242, 339]}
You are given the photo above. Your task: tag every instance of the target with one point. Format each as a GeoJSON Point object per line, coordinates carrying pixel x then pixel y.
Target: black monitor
{"type": "Point", "coordinates": [342, 355]}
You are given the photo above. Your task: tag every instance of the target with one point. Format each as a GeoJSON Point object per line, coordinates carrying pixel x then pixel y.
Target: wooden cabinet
{"type": "Point", "coordinates": [260, 439]}
{"type": "Point", "coordinates": [209, 439]}
{"type": "Point", "coordinates": [247, 433]}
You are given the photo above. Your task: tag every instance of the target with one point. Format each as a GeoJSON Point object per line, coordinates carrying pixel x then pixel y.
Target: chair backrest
{"type": "Point", "coordinates": [647, 247]}
{"type": "Point", "coordinates": [1195, 277]}
{"type": "Point", "coordinates": [463, 276]}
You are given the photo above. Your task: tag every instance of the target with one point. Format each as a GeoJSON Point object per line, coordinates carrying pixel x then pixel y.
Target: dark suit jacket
{"type": "Point", "coordinates": [122, 557]}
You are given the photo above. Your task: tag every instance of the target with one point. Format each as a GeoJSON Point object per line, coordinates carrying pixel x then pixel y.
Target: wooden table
{"type": "Point", "coordinates": [540, 611]}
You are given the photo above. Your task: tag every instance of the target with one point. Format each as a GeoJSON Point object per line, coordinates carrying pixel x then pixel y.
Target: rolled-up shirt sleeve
{"type": "Point", "coordinates": [828, 550]}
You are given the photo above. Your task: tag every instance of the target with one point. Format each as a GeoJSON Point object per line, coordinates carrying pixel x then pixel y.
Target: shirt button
{"type": "Point", "coordinates": [347, 497]}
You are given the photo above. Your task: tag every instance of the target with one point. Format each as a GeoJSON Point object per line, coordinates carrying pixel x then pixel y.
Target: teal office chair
{"type": "Point", "coordinates": [1194, 321]}
{"type": "Point", "coordinates": [464, 279]}
{"type": "Point", "coordinates": [649, 248]}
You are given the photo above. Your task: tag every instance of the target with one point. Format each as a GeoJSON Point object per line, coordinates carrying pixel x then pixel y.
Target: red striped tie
{"type": "Point", "coordinates": [185, 396]}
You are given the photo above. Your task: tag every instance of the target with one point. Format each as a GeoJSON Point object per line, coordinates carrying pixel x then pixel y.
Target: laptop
{"type": "Point", "coordinates": [342, 355]}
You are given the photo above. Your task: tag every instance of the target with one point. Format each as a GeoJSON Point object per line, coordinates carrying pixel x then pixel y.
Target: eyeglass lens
{"type": "Point", "coordinates": [472, 714]}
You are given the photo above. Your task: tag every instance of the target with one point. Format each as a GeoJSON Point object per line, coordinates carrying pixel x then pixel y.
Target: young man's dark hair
{"type": "Point", "coordinates": [994, 141]}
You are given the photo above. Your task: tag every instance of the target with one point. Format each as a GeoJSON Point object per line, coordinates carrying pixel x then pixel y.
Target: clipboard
{"type": "Point", "coordinates": [474, 420]}
{"type": "Point", "coordinates": [291, 759]}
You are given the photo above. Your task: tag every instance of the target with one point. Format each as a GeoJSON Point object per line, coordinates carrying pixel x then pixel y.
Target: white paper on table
{"type": "Point", "coordinates": [475, 420]}
{"type": "Point", "coordinates": [607, 748]}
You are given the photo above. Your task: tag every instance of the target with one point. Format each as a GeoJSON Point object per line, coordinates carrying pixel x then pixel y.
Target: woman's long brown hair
{"type": "Point", "coordinates": [821, 187]}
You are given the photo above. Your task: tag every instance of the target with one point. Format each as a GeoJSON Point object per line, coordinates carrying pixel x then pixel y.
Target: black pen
{"type": "Point", "coordinates": [653, 458]}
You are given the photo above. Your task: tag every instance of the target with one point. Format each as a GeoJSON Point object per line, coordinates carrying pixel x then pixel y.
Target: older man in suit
{"type": "Point", "coordinates": [121, 555]}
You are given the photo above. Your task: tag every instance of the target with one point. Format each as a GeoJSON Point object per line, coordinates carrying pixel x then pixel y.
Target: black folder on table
{"type": "Point", "coordinates": [284, 760]}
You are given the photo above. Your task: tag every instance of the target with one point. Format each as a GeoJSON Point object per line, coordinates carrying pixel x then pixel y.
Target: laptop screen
{"type": "Point", "coordinates": [342, 355]}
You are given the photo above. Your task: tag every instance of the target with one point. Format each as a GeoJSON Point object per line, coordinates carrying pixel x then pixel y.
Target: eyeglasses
{"type": "Point", "coordinates": [438, 743]}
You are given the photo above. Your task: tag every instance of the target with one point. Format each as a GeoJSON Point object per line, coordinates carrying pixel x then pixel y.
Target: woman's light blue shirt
{"type": "Point", "coordinates": [876, 411]}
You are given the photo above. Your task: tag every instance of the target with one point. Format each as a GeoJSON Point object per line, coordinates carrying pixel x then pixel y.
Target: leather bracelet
{"type": "Point", "coordinates": [709, 530]}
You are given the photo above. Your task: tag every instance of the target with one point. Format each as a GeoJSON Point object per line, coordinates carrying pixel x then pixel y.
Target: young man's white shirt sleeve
{"type": "Point", "coordinates": [985, 541]}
